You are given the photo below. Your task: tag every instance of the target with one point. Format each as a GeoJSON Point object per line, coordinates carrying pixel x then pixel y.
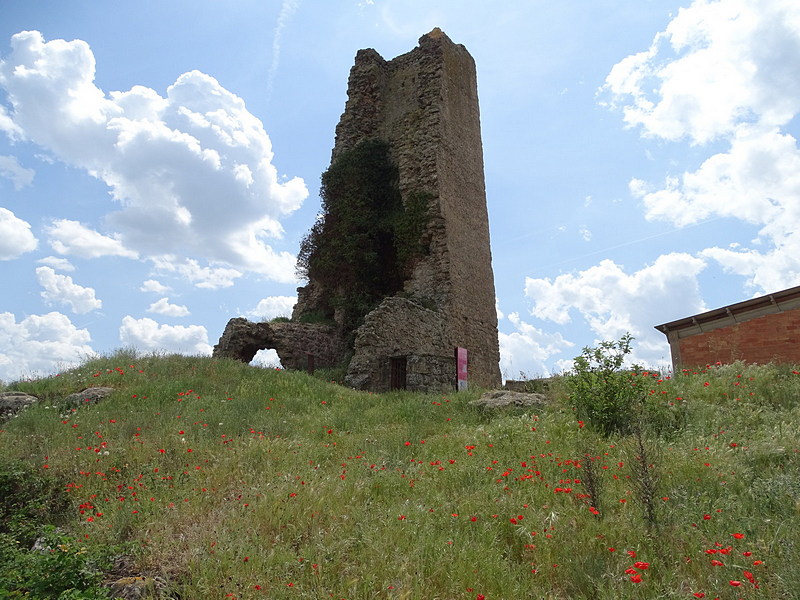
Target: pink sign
{"type": "Point", "coordinates": [461, 369]}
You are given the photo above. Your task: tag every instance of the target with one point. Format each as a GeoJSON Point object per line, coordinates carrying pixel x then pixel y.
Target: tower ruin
{"type": "Point", "coordinates": [423, 106]}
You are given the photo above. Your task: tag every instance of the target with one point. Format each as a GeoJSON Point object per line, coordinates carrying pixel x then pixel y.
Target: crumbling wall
{"type": "Point", "coordinates": [292, 341]}
{"type": "Point", "coordinates": [402, 329]}
{"type": "Point", "coordinates": [424, 105]}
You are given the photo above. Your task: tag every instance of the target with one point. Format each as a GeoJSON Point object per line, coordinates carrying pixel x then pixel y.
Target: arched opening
{"type": "Point", "coordinates": [266, 358]}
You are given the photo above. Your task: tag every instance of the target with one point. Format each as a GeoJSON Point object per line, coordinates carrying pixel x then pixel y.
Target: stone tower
{"type": "Point", "coordinates": [424, 106]}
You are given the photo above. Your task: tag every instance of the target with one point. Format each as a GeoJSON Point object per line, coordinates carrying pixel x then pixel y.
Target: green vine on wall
{"type": "Point", "coordinates": [367, 237]}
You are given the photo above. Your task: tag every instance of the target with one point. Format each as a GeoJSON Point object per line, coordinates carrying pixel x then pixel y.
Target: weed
{"type": "Point", "coordinates": [226, 479]}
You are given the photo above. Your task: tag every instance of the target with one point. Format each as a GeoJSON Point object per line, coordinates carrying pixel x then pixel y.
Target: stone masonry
{"type": "Point", "coordinates": [424, 104]}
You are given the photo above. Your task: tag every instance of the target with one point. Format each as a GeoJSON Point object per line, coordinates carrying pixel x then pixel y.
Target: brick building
{"type": "Point", "coordinates": [760, 330]}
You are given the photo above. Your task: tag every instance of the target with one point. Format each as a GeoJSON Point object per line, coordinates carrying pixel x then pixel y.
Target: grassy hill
{"type": "Point", "coordinates": [229, 481]}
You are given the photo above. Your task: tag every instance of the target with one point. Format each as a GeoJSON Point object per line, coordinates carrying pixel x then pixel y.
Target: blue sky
{"type": "Point", "coordinates": [160, 162]}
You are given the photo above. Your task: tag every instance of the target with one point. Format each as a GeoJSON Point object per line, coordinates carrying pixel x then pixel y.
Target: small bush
{"type": "Point", "coordinates": [27, 499]}
{"type": "Point", "coordinates": [57, 568]}
{"type": "Point", "coordinates": [602, 393]}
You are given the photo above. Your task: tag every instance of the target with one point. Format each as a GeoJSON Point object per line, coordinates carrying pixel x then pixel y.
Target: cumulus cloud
{"type": "Point", "coordinates": [60, 289]}
{"type": "Point", "coordinates": [146, 334]}
{"type": "Point", "coordinates": [613, 302]}
{"type": "Point", "coordinates": [725, 71]}
{"type": "Point", "coordinates": [151, 285]}
{"type": "Point", "coordinates": [267, 358]}
{"type": "Point", "coordinates": [273, 306]}
{"type": "Point", "coordinates": [191, 171]}
{"type": "Point", "coordinates": [56, 262]}
{"type": "Point", "coordinates": [717, 64]}
{"type": "Point", "coordinates": [11, 169]}
{"type": "Point", "coordinates": [72, 237]}
{"type": "Point", "coordinates": [40, 344]}
{"type": "Point", "coordinates": [15, 236]}
{"type": "Point", "coordinates": [163, 307]}
{"type": "Point", "coordinates": [212, 277]}
{"type": "Point", "coordinates": [526, 351]}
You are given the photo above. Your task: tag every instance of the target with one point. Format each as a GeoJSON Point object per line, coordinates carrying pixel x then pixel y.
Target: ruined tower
{"type": "Point", "coordinates": [424, 106]}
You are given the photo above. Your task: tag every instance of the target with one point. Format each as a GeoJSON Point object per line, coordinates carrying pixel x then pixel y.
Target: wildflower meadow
{"type": "Point", "coordinates": [229, 481]}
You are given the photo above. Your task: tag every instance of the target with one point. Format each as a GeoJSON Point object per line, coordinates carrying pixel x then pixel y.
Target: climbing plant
{"type": "Point", "coordinates": [365, 236]}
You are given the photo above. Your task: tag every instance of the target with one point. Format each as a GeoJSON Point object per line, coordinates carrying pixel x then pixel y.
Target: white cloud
{"type": "Point", "coordinates": [163, 307]}
{"type": "Point", "coordinates": [40, 344]}
{"type": "Point", "coordinates": [525, 352]}
{"type": "Point", "coordinates": [267, 359]}
{"type": "Point", "coordinates": [146, 334]}
{"type": "Point", "coordinates": [19, 175]}
{"type": "Point", "coordinates": [288, 8]}
{"type": "Point", "coordinates": [72, 237]}
{"type": "Point", "coordinates": [151, 285]}
{"type": "Point", "coordinates": [58, 263]}
{"type": "Point", "coordinates": [211, 278]}
{"type": "Point", "coordinates": [717, 64]}
{"type": "Point", "coordinates": [499, 312]}
{"type": "Point", "coordinates": [613, 302]}
{"type": "Point", "coordinates": [725, 70]}
{"type": "Point", "coordinates": [757, 181]}
{"type": "Point", "coordinates": [273, 306]}
{"type": "Point", "coordinates": [15, 236]}
{"type": "Point", "coordinates": [60, 289]}
{"type": "Point", "coordinates": [192, 171]}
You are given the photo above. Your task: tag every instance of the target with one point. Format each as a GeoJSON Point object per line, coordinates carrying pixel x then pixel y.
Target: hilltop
{"type": "Point", "coordinates": [209, 478]}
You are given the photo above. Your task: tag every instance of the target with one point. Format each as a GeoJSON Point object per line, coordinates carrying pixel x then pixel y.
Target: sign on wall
{"type": "Point", "coordinates": [461, 369]}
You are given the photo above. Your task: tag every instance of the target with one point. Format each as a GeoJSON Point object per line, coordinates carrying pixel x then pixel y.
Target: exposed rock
{"type": "Point", "coordinates": [137, 587]}
{"type": "Point", "coordinates": [12, 403]}
{"type": "Point", "coordinates": [124, 581]}
{"type": "Point", "coordinates": [292, 341]}
{"type": "Point", "coordinates": [88, 396]}
{"type": "Point", "coordinates": [501, 398]}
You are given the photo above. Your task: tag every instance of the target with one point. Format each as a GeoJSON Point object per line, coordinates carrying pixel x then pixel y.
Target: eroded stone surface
{"type": "Point", "coordinates": [292, 341]}
{"type": "Point", "coordinates": [12, 403]}
{"type": "Point", "coordinates": [424, 105]}
{"type": "Point", "coordinates": [88, 396]}
{"type": "Point", "coordinates": [501, 398]}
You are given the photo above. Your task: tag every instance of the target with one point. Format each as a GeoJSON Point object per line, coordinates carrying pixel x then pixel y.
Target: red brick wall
{"type": "Point", "coordinates": [774, 337]}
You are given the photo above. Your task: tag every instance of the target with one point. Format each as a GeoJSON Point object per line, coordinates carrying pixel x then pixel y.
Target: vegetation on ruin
{"type": "Point", "coordinates": [237, 482]}
{"type": "Point", "coordinates": [367, 236]}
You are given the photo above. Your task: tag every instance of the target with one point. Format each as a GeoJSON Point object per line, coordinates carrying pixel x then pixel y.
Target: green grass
{"type": "Point", "coordinates": [237, 482]}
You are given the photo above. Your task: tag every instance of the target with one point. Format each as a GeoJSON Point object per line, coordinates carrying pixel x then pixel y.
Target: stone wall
{"type": "Point", "coordinates": [400, 328]}
{"type": "Point", "coordinates": [425, 104]}
{"type": "Point", "coordinates": [292, 341]}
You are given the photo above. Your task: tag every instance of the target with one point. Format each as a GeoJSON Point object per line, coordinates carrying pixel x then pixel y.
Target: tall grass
{"type": "Point", "coordinates": [236, 482]}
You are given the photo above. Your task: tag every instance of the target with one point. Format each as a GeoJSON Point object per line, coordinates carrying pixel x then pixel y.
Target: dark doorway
{"type": "Point", "coordinates": [397, 373]}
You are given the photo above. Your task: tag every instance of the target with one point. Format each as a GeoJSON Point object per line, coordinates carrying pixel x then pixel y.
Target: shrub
{"type": "Point", "coordinates": [57, 568]}
{"type": "Point", "coordinates": [602, 393]}
{"type": "Point", "coordinates": [367, 236]}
